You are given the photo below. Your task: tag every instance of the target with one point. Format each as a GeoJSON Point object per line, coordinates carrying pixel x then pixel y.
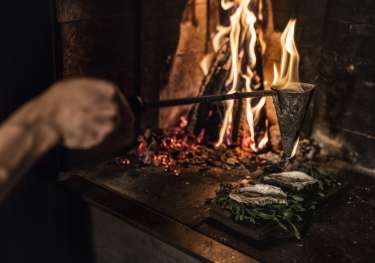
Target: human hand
{"type": "Point", "coordinates": [84, 111]}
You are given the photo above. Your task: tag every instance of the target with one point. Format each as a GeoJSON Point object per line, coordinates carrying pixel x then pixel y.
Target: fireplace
{"type": "Point", "coordinates": [115, 41]}
{"type": "Point", "coordinates": [165, 50]}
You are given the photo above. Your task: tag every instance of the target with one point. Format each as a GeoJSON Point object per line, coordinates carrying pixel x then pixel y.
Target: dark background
{"type": "Point", "coordinates": [37, 223]}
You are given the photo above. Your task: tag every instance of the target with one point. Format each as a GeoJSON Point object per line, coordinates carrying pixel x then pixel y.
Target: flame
{"type": "Point", "coordinates": [288, 75]}
{"type": "Point", "coordinates": [242, 39]}
{"type": "Point", "coordinates": [295, 148]}
{"type": "Point", "coordinates": [265, 138]}
{"type": "Point", "coordinates": [206, 63]}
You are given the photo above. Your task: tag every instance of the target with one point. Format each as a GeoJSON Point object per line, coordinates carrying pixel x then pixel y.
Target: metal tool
{"type": "Point", "coordinates": [141, 103]}
{"type": "Point", "coordinates": [291, 107]}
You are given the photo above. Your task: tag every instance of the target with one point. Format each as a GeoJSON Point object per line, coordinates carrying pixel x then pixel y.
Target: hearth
{"type": "Point", "coordinates": [252, 115]}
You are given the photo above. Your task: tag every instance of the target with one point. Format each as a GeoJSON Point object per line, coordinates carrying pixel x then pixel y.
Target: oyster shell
{"type": "Point", "coordinates": [295, 180]}
{"type": "Point", "coordinates": [259, 194]}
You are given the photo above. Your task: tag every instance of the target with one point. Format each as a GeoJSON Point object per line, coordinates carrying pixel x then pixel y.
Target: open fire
{"type": "Point", "coordinates": [242, 123]}
{"type": "Point", "coordinates": [246, 45]}
{"type": "Point", "coordinates": [243, 39]}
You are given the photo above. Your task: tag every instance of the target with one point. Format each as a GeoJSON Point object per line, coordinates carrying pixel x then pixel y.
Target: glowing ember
{"type": "Point", "coordinates": [123, 162]}
{"type": "Point", "coordinates": [164, 150]}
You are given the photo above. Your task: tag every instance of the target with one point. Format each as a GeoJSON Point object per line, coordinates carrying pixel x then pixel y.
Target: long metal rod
{"type": "Point", "coordinates": [204, 99]}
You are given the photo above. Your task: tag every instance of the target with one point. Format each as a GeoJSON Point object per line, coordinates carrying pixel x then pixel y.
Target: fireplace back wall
{"type": "Point", "coordinates": [133, 44]}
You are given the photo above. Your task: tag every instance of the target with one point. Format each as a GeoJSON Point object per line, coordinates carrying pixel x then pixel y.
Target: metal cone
{"type": "Point", "coordinates": [291, 107]}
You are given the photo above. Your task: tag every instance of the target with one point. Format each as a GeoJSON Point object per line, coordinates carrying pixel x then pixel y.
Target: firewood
{"type": "Point", "coordinates": [185, 74]}
{"type": "Point", "coordinates": [212, 84]}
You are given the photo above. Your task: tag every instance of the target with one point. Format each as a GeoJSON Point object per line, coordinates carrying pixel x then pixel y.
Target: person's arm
{"type": "Point", "coordinates": [22, 141]}
{"type": "Point", "coordinates": [79, 113]}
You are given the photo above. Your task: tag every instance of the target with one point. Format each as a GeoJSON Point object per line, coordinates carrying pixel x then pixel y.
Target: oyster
{"type": "Point", "coordinates": [259, 194]}
{"type": "Point", "coordinates": [294, 180]}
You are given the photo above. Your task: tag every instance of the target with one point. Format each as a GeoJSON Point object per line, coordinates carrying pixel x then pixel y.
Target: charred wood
{"type": "Point", "coordinates": [213, 83]}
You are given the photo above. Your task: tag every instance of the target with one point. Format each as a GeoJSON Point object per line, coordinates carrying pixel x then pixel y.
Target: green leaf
{"type": "Point", "coordinates": [264, 216]}
{"type": "Point", "coordinates": [297, 198]}
{"type": "Point", "coordinates": [287, 214]}
{"type": "Point", "coordinates": [297, 234]}
{"type": "Point", "coordinates": [281, 224]}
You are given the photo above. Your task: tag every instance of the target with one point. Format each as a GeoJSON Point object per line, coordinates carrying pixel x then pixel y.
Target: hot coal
{"type": "Point", "coordinates": [178, 150]}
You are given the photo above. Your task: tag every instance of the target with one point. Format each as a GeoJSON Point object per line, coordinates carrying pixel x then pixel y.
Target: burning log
{"type": "Point", "coordinates": [238, 109]}
{"type": "Point", "coordinates": [217, 66]}
{"type": "Point", "coordinates": [237, 67]}
{"type": "Point", "coordinates": [185, 76]}
{"type": "Point", "coordinates": [213, 83]}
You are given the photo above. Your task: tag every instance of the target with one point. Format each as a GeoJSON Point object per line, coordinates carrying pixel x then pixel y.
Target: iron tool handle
{"type": "Point", "coordinates": [139, 103]}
